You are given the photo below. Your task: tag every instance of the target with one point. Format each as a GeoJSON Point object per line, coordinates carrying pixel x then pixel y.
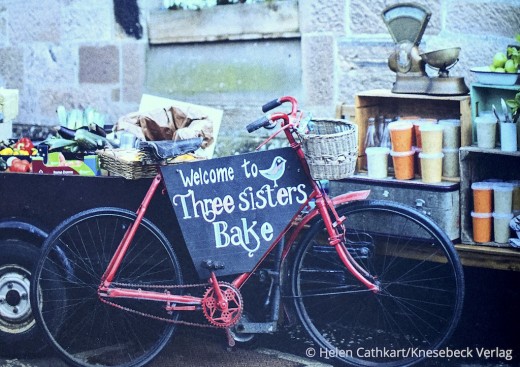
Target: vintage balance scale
{"type": "Point", "coordinates": [406, 24]}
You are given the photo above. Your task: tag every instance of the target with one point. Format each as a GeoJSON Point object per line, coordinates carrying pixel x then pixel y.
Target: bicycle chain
{"type": "Point", "coordinates": [159, 318]}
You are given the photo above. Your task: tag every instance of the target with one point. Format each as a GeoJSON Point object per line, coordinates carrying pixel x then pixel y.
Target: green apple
{"type": "Point", "coordinates": [500, 70]}
{"type": "Point", "coordinates": [492, 67]}
{"type": "Point", "coordinates": [499, 60]}
{"type": "Point", "coordinates": [510, 66]}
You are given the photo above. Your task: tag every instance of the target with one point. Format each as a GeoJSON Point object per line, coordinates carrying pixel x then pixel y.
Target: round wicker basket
{"type": "Point", "coordinates": [331, 149]}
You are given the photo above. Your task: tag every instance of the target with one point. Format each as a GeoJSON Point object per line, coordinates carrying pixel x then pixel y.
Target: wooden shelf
{"type": "Point", "coordinates": [387, 93]}
{"type": "Point", "coordinates": [376, 102]}
{"type": "Point", "coordinates": [478, 164]}
{"type": "Point", "coordinates": [498, 258]}
{"type": "Point", "coordinates": [475, 149]}
{"type": "Point", "coordinates": [413, 183]}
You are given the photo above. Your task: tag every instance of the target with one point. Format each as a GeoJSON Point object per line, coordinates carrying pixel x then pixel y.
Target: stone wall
{"type": "Point", "coordinates": [69, 53]}
{"type": "Point", "coordinates": [74, 53]}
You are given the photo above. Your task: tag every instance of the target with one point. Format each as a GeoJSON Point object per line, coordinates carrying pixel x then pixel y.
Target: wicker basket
{"type": "Point", "coordinates": [113, 160]}
{"type": "Point", "coordinates": [331, 149]}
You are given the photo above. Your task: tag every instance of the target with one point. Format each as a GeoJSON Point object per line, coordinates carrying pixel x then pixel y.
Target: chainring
{"type": "Point", "coordinates": [214, 314]}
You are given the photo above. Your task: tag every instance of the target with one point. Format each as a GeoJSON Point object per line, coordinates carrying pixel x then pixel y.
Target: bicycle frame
{"type": "Point", "coordinates": [324, 207]}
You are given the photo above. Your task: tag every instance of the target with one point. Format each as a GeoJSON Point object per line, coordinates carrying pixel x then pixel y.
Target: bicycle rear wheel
{"type": "Point", "coordinates": [89, 331]}
{"type": "Point", "coordinates": [417, 268]}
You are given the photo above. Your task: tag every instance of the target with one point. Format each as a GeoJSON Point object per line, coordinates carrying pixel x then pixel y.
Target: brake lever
{"type": "Point", "coordinates": [271, 137]}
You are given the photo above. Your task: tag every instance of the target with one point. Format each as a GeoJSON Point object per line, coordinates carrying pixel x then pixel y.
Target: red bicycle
{"type": "Point", "coordinates": [373, 283]}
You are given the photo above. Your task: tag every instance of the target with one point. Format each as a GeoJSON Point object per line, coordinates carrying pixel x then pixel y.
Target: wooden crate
{"type": "Point", "coordinates": [438, 201]}
{"type": "Point", "coordinates": [484, 96]}
{"type": "Point", "coordinates": [374, 103]}
{"type": "Point", "coordinates": [476, 165]}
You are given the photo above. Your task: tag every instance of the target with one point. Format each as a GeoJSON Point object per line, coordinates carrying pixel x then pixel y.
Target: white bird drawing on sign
{"type": "Point", "coordinates": [276, 170]}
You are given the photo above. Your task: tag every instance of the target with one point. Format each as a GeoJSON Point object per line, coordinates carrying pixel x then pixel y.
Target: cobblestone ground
{"type": "Point", "coordinates": [489, 326]}
{"type": "Point", "coordinates": [285, 349]}
{"type": "Point", "coordinates": [202, 349]}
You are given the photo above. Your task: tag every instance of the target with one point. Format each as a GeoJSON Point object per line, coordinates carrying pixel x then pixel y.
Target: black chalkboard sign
{"type": "Point", "coordinates": [231, 209]}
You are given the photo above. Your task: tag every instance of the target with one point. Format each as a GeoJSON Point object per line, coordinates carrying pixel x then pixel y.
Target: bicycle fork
{"type": "Point", "coordinates": [336, 231]}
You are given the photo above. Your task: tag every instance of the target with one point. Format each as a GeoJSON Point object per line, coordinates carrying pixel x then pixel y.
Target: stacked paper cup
{"type": "Point", "coordinates": [482, 211]}
{"type": "Point", "coordinates": [431, 154]}
{"type": "Point", "coordinates": [450, 147]}
{"type": "Point", "coordinates": [402, 153]}
{"type": "Point", "coordinates": [417, 139]}
{"type": "Point", "coordinates": [502, 214]}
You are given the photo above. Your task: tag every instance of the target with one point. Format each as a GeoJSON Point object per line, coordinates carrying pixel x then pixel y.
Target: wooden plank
{"type": "Point", "coordinates": [386, 93]}
{"type": "Point", "coordinates": [473, 256]}
{"type": "Point", "coordinates": [346, 111]}
{"type": "Point", "coordinates": [489, 257]}
{"type": "Point", "coordinates": [230, 22]}
{"type": "Point", "coordinates": [466, 128]}
{"type": "Point", "coordinates": [475, 149]}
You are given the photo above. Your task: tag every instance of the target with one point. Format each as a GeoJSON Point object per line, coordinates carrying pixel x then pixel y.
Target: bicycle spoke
{"type": "Point", "coordinates": [87, 331]}
{"type": "Point", "coordinates": [420, 296]}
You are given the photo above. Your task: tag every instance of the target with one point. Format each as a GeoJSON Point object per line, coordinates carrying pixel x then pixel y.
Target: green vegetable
{"type": "Point", "coordinates": [88, 140]}
{"type": "Point", "coordinates": [515, 106]}
{"type": "Point", "coordinates": [58, 143]}
{"type": "Point", "coordinates": [62, 115]}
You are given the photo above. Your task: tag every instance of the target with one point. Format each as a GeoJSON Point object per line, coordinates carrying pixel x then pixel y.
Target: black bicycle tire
{"type": "Point", "coordinates": [424, 221]}
{"type": "Point", "coordinates": [47, 247]}
{"type": "Point", "coordinates": [28, 340]}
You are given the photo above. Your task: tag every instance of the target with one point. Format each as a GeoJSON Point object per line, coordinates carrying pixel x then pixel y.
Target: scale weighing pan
{"type": "Point", "coordinates": [406, 22]}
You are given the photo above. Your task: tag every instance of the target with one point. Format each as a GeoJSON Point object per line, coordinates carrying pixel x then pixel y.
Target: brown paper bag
{"type": "Point", "coordinates": [170, 123]}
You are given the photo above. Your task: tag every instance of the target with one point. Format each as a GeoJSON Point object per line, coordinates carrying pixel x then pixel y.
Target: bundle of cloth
{"type": "Point", "coordinates": [171, 123]}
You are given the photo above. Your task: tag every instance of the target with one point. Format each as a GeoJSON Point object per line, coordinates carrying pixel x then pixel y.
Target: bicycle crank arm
{"type": "Point", "coordinates": [256, 327]}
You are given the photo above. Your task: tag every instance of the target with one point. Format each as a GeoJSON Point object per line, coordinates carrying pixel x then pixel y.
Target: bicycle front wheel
{"type": "Point", "coordinates": [420, 278]}
{"type": "Point", "coordinates": [90, 332]}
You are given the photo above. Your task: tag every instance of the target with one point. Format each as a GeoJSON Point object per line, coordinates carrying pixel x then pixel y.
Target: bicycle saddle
{"type": "Point", "coordinates": [163, 149]}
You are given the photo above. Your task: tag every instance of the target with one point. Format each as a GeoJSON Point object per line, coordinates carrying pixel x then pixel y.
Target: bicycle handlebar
{"type": "Point", "coordinates": [271, 105]}
{"type": "Point", "coordinates": [265, 121]}
{"type": "Point", "coordinates": [255, 125]}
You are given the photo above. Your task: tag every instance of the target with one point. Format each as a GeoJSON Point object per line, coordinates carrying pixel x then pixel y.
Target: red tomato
{"type": "Point", "coordinates": [24, 144]}
{"type": "Point", "coordinates": [20, 165]}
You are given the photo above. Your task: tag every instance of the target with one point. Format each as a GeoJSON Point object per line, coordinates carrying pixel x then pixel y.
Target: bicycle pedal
{"type": "Point", "coordinates": [230, 339]}
{"type": "Point", "coordinates": [212, 265]}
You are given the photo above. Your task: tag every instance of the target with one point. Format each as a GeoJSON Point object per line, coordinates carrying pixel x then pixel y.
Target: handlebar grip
{"type": "Point", "coordinates": [270, 105]}
{"type": "Point", "coordinates": [255, 125]}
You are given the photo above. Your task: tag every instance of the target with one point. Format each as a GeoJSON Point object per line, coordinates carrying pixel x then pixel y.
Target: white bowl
{"type": "Point", "coordinates": [486, 76]}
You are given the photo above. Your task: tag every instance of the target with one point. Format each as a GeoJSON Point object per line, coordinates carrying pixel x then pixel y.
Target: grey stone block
{"type": "Point", "coordinates": [133, 59]}
{"type": "Point", "coordinates": [319, 69]}
{"type": "Point", "coordinates": [53, 64]}
{"type": "Point", "coordinates": [3, 26]}
{"type": "Point", "coordinates": [11, 67]}
{"type": "Point", "coordinates": [225, 73]}
{"type": "Point", "coordinates": [320, 16]}
{"type": "Point", "coordinates": [484, 18]}
{"type": "Point", "coordinates": [365, 77]}
{"type": "Point", "coordinates": [87, 21]}
{"type": "Point", "coordinates": [99, 64]}
{"type": "Point", "coordinates": [34, 21]}
{"type": "Point", "coordinates": [365, 16]}
{"type": "Point", "coordinates": [94, 95]}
